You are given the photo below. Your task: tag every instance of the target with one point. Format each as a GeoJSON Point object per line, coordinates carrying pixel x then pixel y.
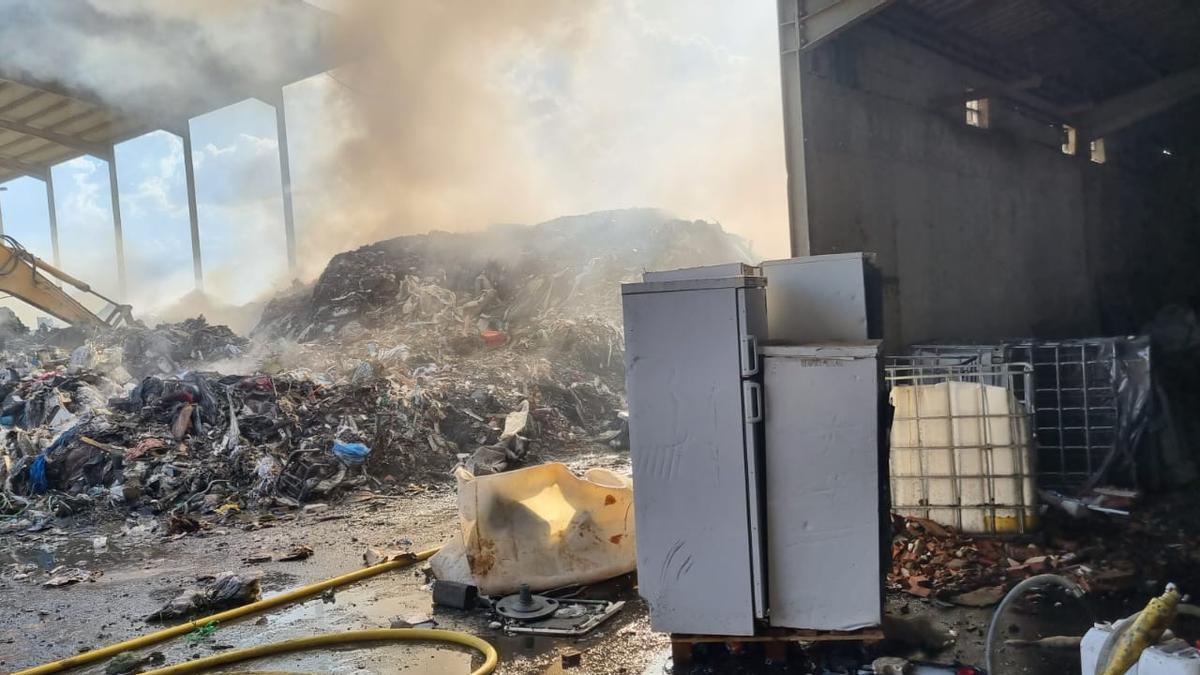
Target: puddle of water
{"type": "Point", "coordinates": [78, 550]}
{"type": "Point", "coordinates": [524, 646]}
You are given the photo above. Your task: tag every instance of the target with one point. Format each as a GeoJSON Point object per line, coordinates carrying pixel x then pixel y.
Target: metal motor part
{"type": "Point", "coordinates": [526, 606]}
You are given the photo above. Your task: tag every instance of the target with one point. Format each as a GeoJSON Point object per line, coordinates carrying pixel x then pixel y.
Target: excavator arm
{"type": "Point", "coordinates": [27, 277]}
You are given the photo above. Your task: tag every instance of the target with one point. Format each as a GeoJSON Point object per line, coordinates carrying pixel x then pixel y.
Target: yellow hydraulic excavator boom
{"type": "Point", "coordinates": [24, 276]}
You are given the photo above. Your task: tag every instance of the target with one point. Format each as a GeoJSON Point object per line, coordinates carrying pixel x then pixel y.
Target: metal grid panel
{"type": "Point", "coordinates": [1076, 403]}
{"type": "Point", "coordinates": [1017, 380]}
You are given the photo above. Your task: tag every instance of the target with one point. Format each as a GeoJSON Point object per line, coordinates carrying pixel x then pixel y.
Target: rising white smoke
{"type": "Point", "coordinates": [457, 114]}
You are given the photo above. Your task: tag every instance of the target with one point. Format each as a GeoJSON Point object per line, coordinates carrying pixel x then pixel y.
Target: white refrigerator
{"type": "Point", "coordinates": [694, 386]}
{"type": "Point", "coordinates": [824, 480]}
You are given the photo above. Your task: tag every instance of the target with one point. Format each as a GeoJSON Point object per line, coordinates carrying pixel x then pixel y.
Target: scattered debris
{"type": "Point", "coordinates": [222, 592]}
{"type": "Point", "coordinates": [454, 594]}
{"type": "Point", "coordinates": [414, 622]}
{"type": "Point", "coordinates": [297, 552]}
{"type": "Point", "coordinates": [128, 662]}
{"type": "Point", "coordinates": [202, 633]}
{"type": "Point", "coordinates": [1051, 642]}
{"type": "Point", "coordinates": [374, 556]}
{"type": "Point", "coordinates": [66, 576]}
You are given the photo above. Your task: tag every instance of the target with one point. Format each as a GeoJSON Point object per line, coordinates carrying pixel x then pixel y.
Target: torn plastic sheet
{"type": "Point", "coordinates": [542, 526]}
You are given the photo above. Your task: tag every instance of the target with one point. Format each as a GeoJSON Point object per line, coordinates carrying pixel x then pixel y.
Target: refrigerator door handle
{"type": "Point", "coordinates": [749, 356]}
{"type": "Point", "coordinates": [752, 395]}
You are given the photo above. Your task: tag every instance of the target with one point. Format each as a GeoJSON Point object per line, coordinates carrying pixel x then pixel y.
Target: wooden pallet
{"type": "Point", "coordinates": [775, 641]}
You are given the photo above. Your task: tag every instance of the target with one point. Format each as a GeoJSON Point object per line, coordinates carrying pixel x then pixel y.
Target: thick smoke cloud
{"type": "Point", "coordinates": [161, 57]}
{"type": "Point", "coordinates": [458, 114]}
{"type": "Point", "coordinates": [466, 114]}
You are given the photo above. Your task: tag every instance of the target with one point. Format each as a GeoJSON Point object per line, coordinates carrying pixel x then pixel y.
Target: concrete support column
{"type": "Point", "coordinates": [118, 235]}
{"type": "Point", "coordinates": [792, 65]}
{"type": "Point", "coordinates": [285, 176]}
{"type": "Point", "coordinates": [52, 210]}
{"type": "Point", "coordinates": [189, 171]}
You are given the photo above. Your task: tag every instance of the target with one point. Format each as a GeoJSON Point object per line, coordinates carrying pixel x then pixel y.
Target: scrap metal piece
{"type": "Point", "coordinates": [455, 594]}
{"type": "Point", "coordinates": [573, 619]}
{"type": "Point", "coordinates": [526, 606]}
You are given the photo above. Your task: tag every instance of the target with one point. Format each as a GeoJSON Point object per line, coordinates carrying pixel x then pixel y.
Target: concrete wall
{"type": "Point", "coordinates": [1143, 215]}
{"type": "Point", "coordinates": [980, 233]}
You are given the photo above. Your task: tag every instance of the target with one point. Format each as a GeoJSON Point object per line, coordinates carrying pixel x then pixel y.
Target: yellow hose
{"type": "Point", "coordinates": [327, 639]}
{"type": "Point", "coordinates": [228, 615]}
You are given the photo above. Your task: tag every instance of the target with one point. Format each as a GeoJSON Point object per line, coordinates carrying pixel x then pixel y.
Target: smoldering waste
{"type": "Point", "coordinates": [405, 358]}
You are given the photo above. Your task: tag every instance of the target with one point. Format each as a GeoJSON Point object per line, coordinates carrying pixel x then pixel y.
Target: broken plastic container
{"type": "Point", "coordinates": [543, 526]}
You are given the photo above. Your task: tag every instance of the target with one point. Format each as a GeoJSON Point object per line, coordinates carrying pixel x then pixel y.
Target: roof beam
{"type": "Point", "coordinates": [989, 89]}
{"type": "Point", "coordinates": [820, 20]}
{"type": "Point", "coordinates": [1132, 107]}
{"type": "Point", "coordinates": [47, 88]}
{"type": "Point", "coordinates": [20, 101]}
{"type": "Point", "coordinates": [48, 110]}
{"type": "Point", "coordinates": [1053, 95]}
{"type": "Point", "coordinates": [58, 139]}
{"type": "Point", "coordinates": [1067, 10]}
{"type": "Point", "coordinates": [75, 118]}
{"type": "Point", "coordinates": [23, 168]}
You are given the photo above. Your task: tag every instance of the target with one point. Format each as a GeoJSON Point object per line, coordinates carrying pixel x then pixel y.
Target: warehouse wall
{"type": "Point", "coordinates": [980, 233]}
{"type": "Point", "coordinates": [1144, 220]}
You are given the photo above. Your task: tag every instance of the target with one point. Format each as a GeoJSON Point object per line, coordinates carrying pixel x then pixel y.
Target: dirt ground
{"type": "Point", "coordinates": [141, 571]}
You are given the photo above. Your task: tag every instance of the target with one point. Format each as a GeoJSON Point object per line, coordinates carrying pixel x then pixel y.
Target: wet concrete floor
{"type": "Point", "coordinates": [141, 570]}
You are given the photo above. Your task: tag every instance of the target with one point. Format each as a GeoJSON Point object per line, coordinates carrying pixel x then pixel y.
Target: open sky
{"type": "Point", "coordinates": [710, 77]}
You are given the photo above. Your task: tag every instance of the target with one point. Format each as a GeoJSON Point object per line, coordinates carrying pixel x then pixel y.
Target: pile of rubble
{"type": "Point", "coordinates": [1104, 554]}
{"type": "Point", "coordinates": [933, 560]}
{"type": "Point", "coordinates": [404, 359]}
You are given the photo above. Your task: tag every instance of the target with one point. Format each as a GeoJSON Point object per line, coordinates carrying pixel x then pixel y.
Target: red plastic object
{"type": "Point", "coordinates": [494, 338]}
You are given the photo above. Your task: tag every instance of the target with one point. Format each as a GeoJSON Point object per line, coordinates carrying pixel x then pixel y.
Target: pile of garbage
{"type": "Point", "coordinates": [505, 279]}
{"type": "Point", "coordinates": [405, 359]}
{"type": "Point", "coordinates": [200, 441]}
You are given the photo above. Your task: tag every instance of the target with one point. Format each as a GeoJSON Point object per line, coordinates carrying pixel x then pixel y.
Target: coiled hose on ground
{"type": "Point", "coordinates": [491, 658]}
{"type": "Point", "coordinates": [1016, 592]}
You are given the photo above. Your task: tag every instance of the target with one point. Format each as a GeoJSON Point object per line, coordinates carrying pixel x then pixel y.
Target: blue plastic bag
{"type": "Point", "coordinates": [351, 453]}
{"type": "Point", "coordinates": [37, 475]}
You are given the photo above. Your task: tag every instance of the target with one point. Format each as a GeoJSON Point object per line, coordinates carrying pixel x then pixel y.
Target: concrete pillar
{"type": "Point", "coordinates": [285, 175]}
{"type": "Point", "coordinates": [189, 171]}
{"type": "Point", "coordinates": [118, 235]}
{"type": "Point", "coordinates": [52, 210]}
{"type": "Point", "coordinates": [793, 69]}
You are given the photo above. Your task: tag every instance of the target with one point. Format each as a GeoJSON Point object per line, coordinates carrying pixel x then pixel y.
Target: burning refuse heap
{"type": "Point", "coordinates": [507, 278]}
{"type": "Point", "coordinates": [404, 358]}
